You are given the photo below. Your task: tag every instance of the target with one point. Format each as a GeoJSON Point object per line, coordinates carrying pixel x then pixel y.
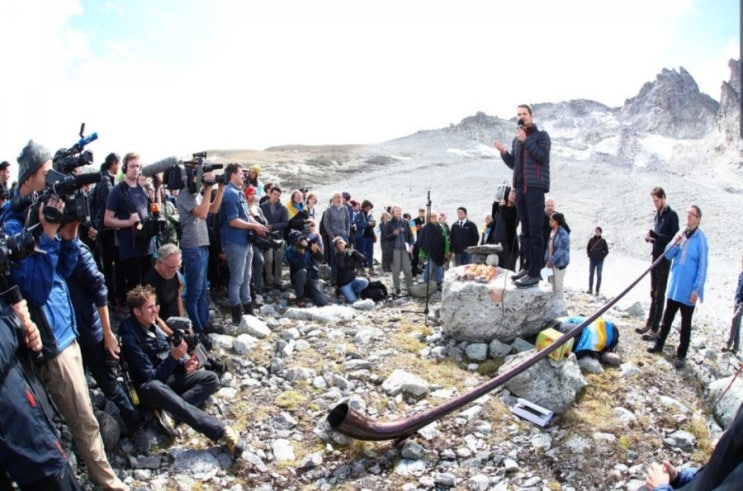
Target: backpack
{"type": "Point", "coordinates": [599, 336]}
{"type": "Point", "coordinates": [375, 290]}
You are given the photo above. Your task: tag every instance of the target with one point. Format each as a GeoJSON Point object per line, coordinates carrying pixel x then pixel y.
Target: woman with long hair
{"type": "Point", "coordinates": [557, 254]}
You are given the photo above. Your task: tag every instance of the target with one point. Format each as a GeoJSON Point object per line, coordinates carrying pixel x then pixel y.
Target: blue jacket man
{"type": "Point", "coordinates": [689, 254]}
{"type": "Point", "coordinates": [235, 224]}
{"type": "Point", "coordinates": [41, 279]}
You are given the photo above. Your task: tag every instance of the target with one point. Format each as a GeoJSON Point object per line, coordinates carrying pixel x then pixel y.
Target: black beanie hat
{"type": "Point", "coordinates": [31, 158]}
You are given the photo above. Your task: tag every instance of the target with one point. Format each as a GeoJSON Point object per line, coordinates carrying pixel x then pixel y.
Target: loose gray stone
{"type": "Point", "coordinates": [402, 381]}
{"type": "Point", "coordinates": [684, 440]}
{"type": "Point", "coordinates": [254, 326]}
{"type": "Point", "coordinates": [282, 450]}
{"type": "Point", "coordinates": [477, 351]}
{"type": "Point", "coordinates": [590, 364]}
{"type": "Point", "coordinates": [311, 461]}
{"type": "Point", "coordinates": [520, 345]}
{"type": "Point", "coordinates": [364, 304]}
{"type": "Point", "coordinates": [479, 482]}
{"type": "Point", "coordinates": [366, 334]}
{"type": "Point", "coordinates": [628, 369]}
{"type": "Point", "coordinates": [407, 467]}
{"type": "Point", "coordinates": [244, 344]}
{"type": "Point", "coordinates": [412, 450]}
{"type": "Point", "coordinates": [498, 349]}
{"type": "Point", "coordinates": [445, 479]}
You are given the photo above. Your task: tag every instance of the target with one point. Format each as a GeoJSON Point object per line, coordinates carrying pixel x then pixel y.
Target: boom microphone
{"type": "Point", "coordinates": [84, 140]}
{"type": "Point", "coordinates": [160, 166]}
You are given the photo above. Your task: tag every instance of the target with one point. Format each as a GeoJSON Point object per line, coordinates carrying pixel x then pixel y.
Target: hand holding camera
{"type": "Point", "coordinates": [208, 179]}
{"type": "Point", "coordinates": [48, 214]}
{"type": "Point", "coordinates": [178, 350]}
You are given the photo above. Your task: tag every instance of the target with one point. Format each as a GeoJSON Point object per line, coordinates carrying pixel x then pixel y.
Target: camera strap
{"type": "Point", "coordinates": [128, 199]}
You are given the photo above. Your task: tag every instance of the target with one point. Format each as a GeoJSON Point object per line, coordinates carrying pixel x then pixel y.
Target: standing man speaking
{"type": "Point", "coordinates": [530, 160]}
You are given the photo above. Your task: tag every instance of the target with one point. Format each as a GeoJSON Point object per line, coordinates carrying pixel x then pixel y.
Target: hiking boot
{"type": "Point", "coordinates": [643, 330]}
{"type": "Point", "coordinates": [237, 314]}
{"type": "Point", "coordinates": [518, 275]}
{"type": "Point", "coordinates": [231, 440]}
{"type": "Point", "coordinates": [651, 336]}
{"type": "Point", "coordinates": [590, 291]}
{"type": "Point", "coordinates": [680, 362]}
{"type": "Point", "coordinates": [206, 341]}
{"type": "Point", "coordinates": [166, 422]}
{"type": "Point", "coordinates": [248, 309]}
{"type": "Point", "coordinates": [655, 349]}
{"type": "Point", "coordinates": [213, 329]}
{"type": "Point", "coordinates": [527, 281]}
{"type": "Point", "coordinates": [140, 441]}
{"type": "Point", "coordinates": [214, 365]}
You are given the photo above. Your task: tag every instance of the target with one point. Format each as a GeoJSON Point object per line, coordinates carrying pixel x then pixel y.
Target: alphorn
{"type": "Point", "coordinates": [351, 423]}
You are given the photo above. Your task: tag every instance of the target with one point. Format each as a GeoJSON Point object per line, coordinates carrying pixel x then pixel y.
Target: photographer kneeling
{"type": "Point", "coordinates": [347, 261]}
{"type": "Point", "coordinates": [303, 257]}
{"type": "Point", "coordinates": [165, 375]}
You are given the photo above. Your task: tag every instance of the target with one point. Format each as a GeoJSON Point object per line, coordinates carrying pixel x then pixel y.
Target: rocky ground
{"type": "Point", "coordinates": [290, 366]}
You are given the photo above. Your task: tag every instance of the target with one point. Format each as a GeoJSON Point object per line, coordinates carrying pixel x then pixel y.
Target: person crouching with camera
{"type": "Point", "coordinates": [303, 256]}
{"type": "Point", "coordinates": [347, 261]}
{"type": "Point", "coordinates": [165, 375]}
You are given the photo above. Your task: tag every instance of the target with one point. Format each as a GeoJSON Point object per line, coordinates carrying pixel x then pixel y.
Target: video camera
{"type": "Point", "coordinates": [16, 247]}
{"type": "Point", "coordinates": [63, 183]}
{"type": "Point", "coordinates": [356, 256]}
{"type": "Point", "coordinates": [272, 240]}
{"type": "Point", "coordinates": [67, 160]}
{"type": "Point", "coordinates": [179, 174]}
{"type": "Point", "coordinates": [178, 336]}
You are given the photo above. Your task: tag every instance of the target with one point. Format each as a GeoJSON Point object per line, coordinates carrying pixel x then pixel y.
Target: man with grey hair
{"type": "Point", "coordinates": [163, 277]}
{"type": "Point", "coordinates": [689, 253]}
{"type": "Point", "coordinates": [398, 232]}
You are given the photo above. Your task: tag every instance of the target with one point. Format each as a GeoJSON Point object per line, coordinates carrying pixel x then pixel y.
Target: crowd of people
{"type": "Point", "coordinates": [133, 284]}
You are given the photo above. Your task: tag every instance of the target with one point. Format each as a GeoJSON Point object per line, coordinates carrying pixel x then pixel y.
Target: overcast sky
{"type": "Point", "coordinates": [178, 76]}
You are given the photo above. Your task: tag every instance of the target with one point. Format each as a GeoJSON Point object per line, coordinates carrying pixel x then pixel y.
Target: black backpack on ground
{"type": "Point", "coordinates": [376, 290]}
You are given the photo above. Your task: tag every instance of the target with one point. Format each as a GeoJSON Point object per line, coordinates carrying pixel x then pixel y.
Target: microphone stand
{"type": "Point", "coordinates": [428, 264]}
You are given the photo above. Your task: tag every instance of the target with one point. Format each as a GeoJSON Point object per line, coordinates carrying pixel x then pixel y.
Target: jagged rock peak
{"type": "Point", "coordinates": [734, 66]}
{"type": "Point", "coordinates": [671, 106]}
{"type": "Point", "coordinates": [729, 113]}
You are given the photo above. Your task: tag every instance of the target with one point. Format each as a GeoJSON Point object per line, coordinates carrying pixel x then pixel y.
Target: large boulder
{"type": "Point", "coordinates": [480, 311]}
{"type": "Point", "coordinates": [548, 383]}
{"type": "Point", "coordinates": [726, 408]}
